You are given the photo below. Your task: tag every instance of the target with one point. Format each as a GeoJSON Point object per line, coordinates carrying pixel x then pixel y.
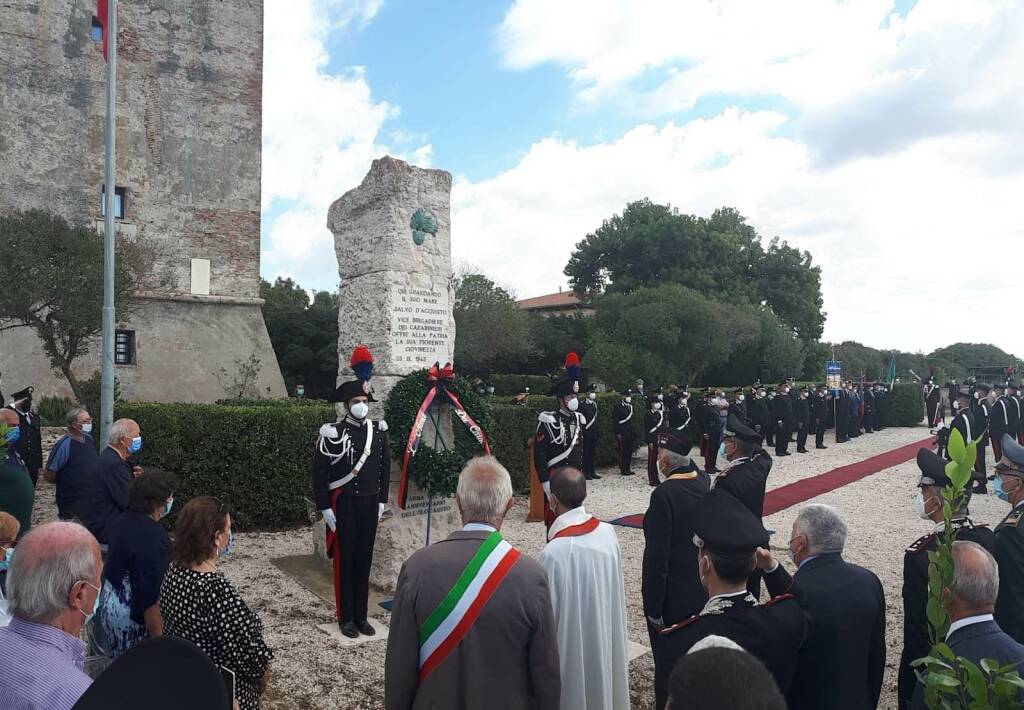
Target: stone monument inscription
{"type": "Point", "coordinates": [418, 324]}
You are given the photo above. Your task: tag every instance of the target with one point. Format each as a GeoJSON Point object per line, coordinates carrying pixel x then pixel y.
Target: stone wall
{"type": "Point", "coordinates": [189, 122]}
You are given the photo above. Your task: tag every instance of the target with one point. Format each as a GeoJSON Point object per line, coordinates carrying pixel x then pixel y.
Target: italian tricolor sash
{"type": "Point", "coordinates": [587, 526]}
{"type": "Point", "coordinates": [448, 624]}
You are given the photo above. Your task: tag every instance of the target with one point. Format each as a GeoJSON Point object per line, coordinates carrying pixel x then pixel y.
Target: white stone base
{"type": "Point", "coordinates": [334, 632]}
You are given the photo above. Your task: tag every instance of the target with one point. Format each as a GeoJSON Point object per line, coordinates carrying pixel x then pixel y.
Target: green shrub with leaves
{"type": "Point", "coordinates": [906, 405]}
{"type": "Point", "coordinates": [53, 410]}
{"type": "Point", "coordinates": [952, 682]}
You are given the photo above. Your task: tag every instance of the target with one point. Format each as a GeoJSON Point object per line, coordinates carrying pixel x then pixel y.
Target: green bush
{"type": "Point", "coordinates": [255, 459]}
{"type": "Point", "coordinates": [280, 402]}
{"type": "Point", "coordinates": [906, 405]}
{"type": "Point", "coordinates": [506, 385]}
{"type": "Point", "coordinates": [53, 410]}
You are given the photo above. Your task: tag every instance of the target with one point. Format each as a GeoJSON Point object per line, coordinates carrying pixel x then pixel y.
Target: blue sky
{"type": "Point", "coordinates": [833, 125]}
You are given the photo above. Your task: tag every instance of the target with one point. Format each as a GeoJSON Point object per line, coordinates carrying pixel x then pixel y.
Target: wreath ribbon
{"type": "Point", "coordinates": [439, 377]}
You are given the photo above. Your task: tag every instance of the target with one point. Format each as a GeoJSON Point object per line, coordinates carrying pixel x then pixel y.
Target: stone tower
{"type": "Point", "coordinates": [189, 123]}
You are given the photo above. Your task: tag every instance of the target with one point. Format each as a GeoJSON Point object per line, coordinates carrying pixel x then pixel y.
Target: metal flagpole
{"type": "Point", "coordinates": [107, 351]}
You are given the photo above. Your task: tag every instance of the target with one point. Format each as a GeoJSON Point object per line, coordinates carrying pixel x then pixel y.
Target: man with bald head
{"type": "Point", "coordinates": [52, 590]}
{"type": "Point", "coordinates": [110, 478]}
{"type": "Point", "coordinates": [585, 574]}
{"type": "Point", "coordinates": [17, 494]}
{"type": "Point", "coordinates": [471, 625]}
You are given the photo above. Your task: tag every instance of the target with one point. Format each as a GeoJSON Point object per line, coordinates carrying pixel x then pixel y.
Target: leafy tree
{"type": "Point", "coordinates": [489, 328]}
{"type": "Point", "coordinates": [675, 333]}
{"type": "Point", "coordinates": [965, 355]}
{"type": "Point", "coordinates": [52, 273]}
{"type": "Point", "coordinates": [773, 354]}
{"type": "Point", "coordinates": [721, 257]}
{"type": "Point", "coordinates": [304, 335]}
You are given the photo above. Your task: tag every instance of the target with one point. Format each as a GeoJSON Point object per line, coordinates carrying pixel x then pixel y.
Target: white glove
{"type": "Point", "coordinates": [547, 488]}
{"type": "Point", "coordinates": [380, 510]}
{"type": "Point", "coordinates": [659, 622]}
{"type": "Point", "coordinates": [329, 518]}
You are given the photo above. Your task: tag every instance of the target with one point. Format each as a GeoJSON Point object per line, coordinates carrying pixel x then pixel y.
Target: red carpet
{"type": "Point", "coordinates": [794, 493]}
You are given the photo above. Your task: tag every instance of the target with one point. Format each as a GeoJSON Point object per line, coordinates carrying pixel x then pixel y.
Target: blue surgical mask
{"type": "Point", "coordinates": [998, 490]}
{"type": "Point", "coordinates": [135, 446]}
{"type": "Point", "coordinates": [167, 508]}
{"type": "Point", "coordinates": [231, 542]}
{"type": "Point", "coordinates": [12, 435]}
{"type": "Point", "coordinates": [721, 450]}
{"type": "Point", "coordinates": [6, 561]}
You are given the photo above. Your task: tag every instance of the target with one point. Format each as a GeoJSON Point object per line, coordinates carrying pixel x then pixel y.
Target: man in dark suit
{"type": "Point", "coordinates": [441, 655]}
{"type": "Point", "coordinates": [1009, 551]}
{"type": "Point", "coordinates": [31, 445]}
{"type": "Point", "coordinates": [842, 413]}
{"type": "Point", "coordinates": [982, 408]}
{"type": "Point", "coordinates": [916, 639]}
{"type": "Point", "coordinates": [842, 663]}
{"type": "Point", "coordinates": [671, 587]}
{"type": "Point", "coordinates": [782, 413]}
{"type": "Point", "coordinates": [973, 633]}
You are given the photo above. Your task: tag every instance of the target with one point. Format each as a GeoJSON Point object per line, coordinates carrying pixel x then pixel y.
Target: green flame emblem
{"type": "Point", "coordinates": [422, 223]}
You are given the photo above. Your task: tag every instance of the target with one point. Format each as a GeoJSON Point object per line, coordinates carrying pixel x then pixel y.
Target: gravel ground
{"type": "Point", "coordinates": [312, 671]}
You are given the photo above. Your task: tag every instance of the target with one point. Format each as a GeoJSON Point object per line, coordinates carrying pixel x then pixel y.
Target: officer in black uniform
{"type": "Point", "coordinates": [999, 420]}
{"type": "Point", "coordinates": [1020, 423]}
{"type": "Point", "coordinates": [710, 425]}
{"type": "Point", "coordinates": [670, 585]}
{"type": "Point", "coordinates": [982, 408]}
{"type": "Point", "coordinates": [728, 535]}
{"type": "Point", "coordinates": [802, 417]}
{"type": "Point", "coordinates": [622, 423]}
{"type": "Point", "coordinates": [656, 422]}
{"type": "Point", "coordinates": [738, 406]}
{"type": "Point", "coordinates": [1009, 551]}
{"type": "Point", "coordinates": [782, 414]}
{"type": "Point", "coordinates": [559, 438]}
{"type": "Point", "coordinates": [679, 417]}
{"type": "Point", "coordinates": [869, 409]}
{"type": "Point", "coordinates": [841, 407]}
{"type": "Point", "coordinates": [819, 416]}
{"type": "Point", "coordinates": [30, 446]}
{"type": "Point", "coordinates": [916, 641]}
{"type": "Point", "coordinates": [757, 409]}
{"type": "Point", "coordinates": [351, 474]}
{"type": "Point", "coordinates": [963, 420]}
{"type": "Point", "coordinates": [953, 391]}
{"type": "Point", "coordinates": [1014, 410]}
{"type": "Point", "coordinates": [773, 425]}
{"type": "Point", "coordinates": [932, 399]}
{"type": "Point", "coordinates": [878, 422]}
{"type": "Point", "coordinates": [588, 408]}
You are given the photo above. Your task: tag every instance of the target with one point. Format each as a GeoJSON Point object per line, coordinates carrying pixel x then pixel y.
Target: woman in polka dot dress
{"type": "Point", "coordinates": [199, 604]}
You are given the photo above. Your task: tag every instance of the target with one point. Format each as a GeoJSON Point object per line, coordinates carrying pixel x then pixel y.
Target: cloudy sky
{"type": "Point", "coordinates": [883, 136]}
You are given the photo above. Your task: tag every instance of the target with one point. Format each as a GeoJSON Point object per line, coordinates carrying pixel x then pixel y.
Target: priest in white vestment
{"type": "Point", "coordinates": [585, 576]}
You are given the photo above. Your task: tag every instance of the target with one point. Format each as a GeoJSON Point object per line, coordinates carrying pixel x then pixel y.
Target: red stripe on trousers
{"type": "Point", "coordinates": [333, 541]}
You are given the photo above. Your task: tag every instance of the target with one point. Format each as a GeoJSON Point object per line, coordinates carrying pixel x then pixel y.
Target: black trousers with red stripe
{"type": "Point", "coordinates": [353, 554]}
{"type": "Point", "coordinates": [625, 447]}
{"type": "Point", "coordinates": [652, 464]}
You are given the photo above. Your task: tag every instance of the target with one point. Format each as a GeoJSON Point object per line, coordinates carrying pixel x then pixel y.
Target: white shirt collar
{"type": "Point", "coordinates": [568, 519]}
{"type": "Point", "coordinates": [478, 527]}
{"type": "Point", "coordinates": [968, 621]}
{"type": "Point", "coordinates": [726, 595]}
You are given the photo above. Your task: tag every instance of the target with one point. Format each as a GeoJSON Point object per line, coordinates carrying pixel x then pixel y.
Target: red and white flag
{"type": "Point", "coordinates": [101, 18]}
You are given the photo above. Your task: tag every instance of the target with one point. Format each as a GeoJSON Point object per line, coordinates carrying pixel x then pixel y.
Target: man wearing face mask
{"type": "Point", "coordinates": [844, 659]}
{"type": "Point", "coordinates": [982, 408]}
{"type": "Point", "coordinates": [70, 465]}
{"type": "Point", "coordinates": [802, 417]}
{"type": "Point", "coordinates": [746, 476]}
{"type": "Point", "coordinates": [999, 420]}
{"type": "Point", "coordinates": [655, 423]}
{"type": "Point", "coordinates": [869, 410]}
{"type": "Point", "coordinates": [782, 413]}
{"type": "Point", "coordinates": [1014, 410]}
{"type": "Point", "coordinates": [841, 407]}
{"type": "Point", "coordinates": [670, 585]}
{"type": "Point", "coordinates": [928, 504]}
{"type": "Point", "coordinates": [679, 418]}
{"type": "Point", "coordinates": [710, 430]}
{"type": "Point", "coordinates": [559, 438]}
{"type": "Point", "coordinates": [588, 409]}
{"type": "Point", "coordinates": [17, 495]}
{"type": "Point", "coordinates": [622, 423]}
{"type": "Point", "coordinates": [738, 406]}
{"type": "Point", "coordinates": [963, 420]}
{"type": "Point", "coordinates": [108, 497]}
{"type": "Point", "coordinates": [727, 536]}
{"type": "Point", "coordinates": [819, 416]}
{"type": "Point", "coordinates": [1009, 549]}
{"type": "Point", "coordinates": [881, 402]}
{"type": "Point", "coordinates": [31, 445]}
{"type": "Point", "coordinates": [757, 409]}
{"type": "Point", "coordinates": [351, 475]}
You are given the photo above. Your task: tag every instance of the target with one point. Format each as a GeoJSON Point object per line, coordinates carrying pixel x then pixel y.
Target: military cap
{"type": "Point", "coordinates": [707, 391]}
{"type": "Point", "coordinates": [933, 469]}
{"type": "Point", "coordinates": [725, 526]}
{"type": "Point", "coordinates": [653, 398]}
{"type": "Point", "coordinates": [1011, 385]}
{"type": "Point", "coordinates": [565, 387]}
{"type": "Point", "coordinates": [22, 394]}
{"type": "Point", "coordinates": [676, 442]}
{"type": "Point", "coordinates": [757, 385]}
{"type": "Point", "coordinates": [963, 394]}
{"type": "Point", "coordinates": [982, 387]}
{"type": "Point", "coordinates": [738, 430]}
{"type": "Point", "coordinates": [1013, 457]}
{"type": "Point", "coordinates": [353, 388]}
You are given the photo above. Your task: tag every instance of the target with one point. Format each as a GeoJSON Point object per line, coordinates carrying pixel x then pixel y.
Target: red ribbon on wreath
{"type": "Point", "coordinates": [439, 378]}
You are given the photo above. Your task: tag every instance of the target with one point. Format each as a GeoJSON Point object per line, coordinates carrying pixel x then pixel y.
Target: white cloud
{"type": "Point", "coordinates": [320, 133]}
{"type": "Point", "coordinates": [897, 236]}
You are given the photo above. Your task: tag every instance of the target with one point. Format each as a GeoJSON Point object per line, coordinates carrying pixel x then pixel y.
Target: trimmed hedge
{"type": "Point", "coordinates": [509, 385]}
{"type": "Point", "coordinates": [906, 405]}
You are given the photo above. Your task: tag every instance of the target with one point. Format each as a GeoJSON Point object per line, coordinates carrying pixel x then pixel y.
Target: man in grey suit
{"type": "Point", "coordinates": [973, 632]}
{"type": "Point", "coordinates": [472, 624]}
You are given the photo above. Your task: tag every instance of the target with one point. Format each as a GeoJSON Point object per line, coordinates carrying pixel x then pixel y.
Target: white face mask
{"type": "Point", "coordinates": [592, 396]}
{"type": "Point", "coordinates": [740, 398]}
{"type": "Point", "coordinates": [87, 428]}
{"type": "Point", "coordinates": [629, 400]}
{"type": "Point", "coordinates": [919, 505]}
{"type": "Point", "coordinates": [359, 410]}
{"type": "Point", "coordinates": [657, 406]}
{"type": "Point", "coordinates": [572, 405]}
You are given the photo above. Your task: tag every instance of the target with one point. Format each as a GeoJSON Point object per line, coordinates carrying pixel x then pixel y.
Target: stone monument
{"type": "Point", "coordinates": [392, 236]}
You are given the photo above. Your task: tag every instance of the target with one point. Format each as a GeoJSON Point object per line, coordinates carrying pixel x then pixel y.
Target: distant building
{"type": "Point", "coordinates": [563, 303]}
{"type": "Point", "coordinates": [189, 132]}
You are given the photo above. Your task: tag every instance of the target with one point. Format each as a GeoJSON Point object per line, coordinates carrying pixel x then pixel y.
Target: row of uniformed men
{"type": "Point", "coordinates": [981, 411]}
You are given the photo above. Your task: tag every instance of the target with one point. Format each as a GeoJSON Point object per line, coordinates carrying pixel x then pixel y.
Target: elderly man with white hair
{"type": "Point", "coordinates": [842, 662]}
{"type": "Point", "coordinates": [472, 624]}
{"type": "Point", "coordinates": [52, 589]}
{"type": "Point", "coordinates": [110, 478]}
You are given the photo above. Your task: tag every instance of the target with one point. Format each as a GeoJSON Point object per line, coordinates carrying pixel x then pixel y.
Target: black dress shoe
{"type": "Point", "coordinates": [801, 451]}
{"type": "Point", "coordinates": [595, 477]}
{"type": "Point", "coordinates": [980, 489]}
{"type": "Point", "coordinates": [629, 473]}
{"type": "Point", "coordinates": [821, 447]}
{"type": "Point", "coordinates": [349, 629]}
{"type": "Point", "coordinates": [365, 629]}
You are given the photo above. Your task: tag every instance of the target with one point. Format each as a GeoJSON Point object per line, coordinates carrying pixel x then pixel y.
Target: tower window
{"type": "Point", "coordinates": [124, 347]}
{"type": "Point", "coordinates": [120, 201]}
